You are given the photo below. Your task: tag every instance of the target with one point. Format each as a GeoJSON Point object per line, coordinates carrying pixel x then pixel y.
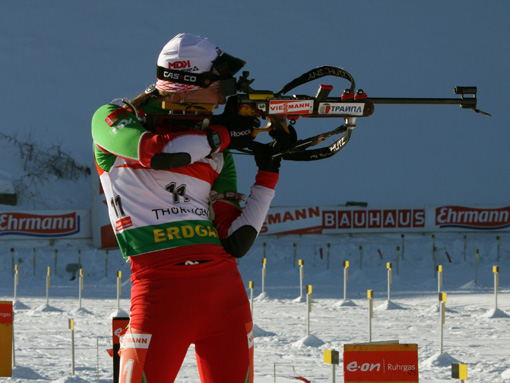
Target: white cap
{"type": "Point", "coordinates": [187, 53]}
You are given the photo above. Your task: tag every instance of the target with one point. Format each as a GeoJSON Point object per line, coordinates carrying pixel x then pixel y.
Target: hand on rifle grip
{"type": "Point", "coordinates": [266, 128]}
{"type": "Point", "coordinates": [278, 123]}
{"type": "Point", "coordinates": [240, 127]}
{"type": "Point", "coordinates": [283, 138]}
{"type": "Point", "coordinates": [274, 124]}
{"type": "Point", "coordinates": [265, 157]}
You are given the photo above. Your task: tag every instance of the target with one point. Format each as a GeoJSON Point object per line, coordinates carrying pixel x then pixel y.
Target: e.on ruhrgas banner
{"type": "Point", "coordinates": [355, 219]}
{"type": "Point", "coordinates": [372, 362]}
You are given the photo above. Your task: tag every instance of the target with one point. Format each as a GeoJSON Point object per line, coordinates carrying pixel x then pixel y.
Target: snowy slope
{"type": "Point", "coordinates": [474, 333]}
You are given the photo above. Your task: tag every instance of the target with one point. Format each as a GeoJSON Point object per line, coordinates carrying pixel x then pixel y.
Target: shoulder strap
{"type": "Point", "coordinates": [316, 73]}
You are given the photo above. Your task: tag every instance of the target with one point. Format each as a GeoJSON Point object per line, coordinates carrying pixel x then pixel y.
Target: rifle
{"type": "Point", "coordinates": [277, 107]}
{"type": "Point", "coordinates": [349, 106]}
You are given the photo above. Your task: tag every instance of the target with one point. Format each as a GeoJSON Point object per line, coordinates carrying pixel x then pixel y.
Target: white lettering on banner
{"type": "Point", "coordinates": [354, 366]}
{"type": "Point", "coordinates": [373, 219]}
{"type": "Point", "coordinates": [400, 367]}
{"type": "Point", "coordinates": [474, 218]}
{"type": "Point", "coordinates": [38, 225]}
{"type": "Point", "coordinates": [296, 215]}
{"type": "Point", "coordinates": [292, 220]}
{"type": "Point", "coordinates": [355, 219]}
{"type": "Point", "coordinates": [351, 109]}
{"type": "Point", "coordinates": [290, 107]}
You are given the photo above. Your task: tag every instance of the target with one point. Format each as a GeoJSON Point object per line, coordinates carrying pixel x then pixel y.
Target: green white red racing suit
{"type": "Point", "coordinates": [153, 210]}
{"type": "Point", "coordinates": [181, 229]}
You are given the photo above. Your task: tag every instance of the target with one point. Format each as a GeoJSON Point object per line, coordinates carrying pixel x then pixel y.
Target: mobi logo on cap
{"type": "Point", "coordinates": [39, 225]}
{"type": "Point", "coordinates": [473, 218]}
{"type": "Point", "coordinates": [183, 64]}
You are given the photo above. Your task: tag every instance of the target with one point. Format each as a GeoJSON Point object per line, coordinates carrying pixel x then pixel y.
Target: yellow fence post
{"type": "Point", "coordinates": [346, 276]}
{"type": "Point", "coordinates": [442, 301]}
{"type": "Point", "coordinates": [264, 262]}
{"type": "Point", "coordinates": [332, 357]}
{"type": "Point", "coordinates": [477, 260]}
{"type": "Point", "coordinates": [309, 307]}
{"type": "Point", "coordinates": [439, 269]}
{"type": "Point", "coordinates": [495, 270]}
{"type": "Point", "coordinates": [251, 296]}
{"type": "Point", "coordinates": [71, 327]}
{"type": "Point", "coordinates": [301, 276]}
{"type": "Point", "coordinates": [48, 287]}
{"type": "Point", "coordinates": [119, 288]}
{"type": "Point", "coordinates": [390, 279]}
{"type": "Point", "coordinates": [370, 296]}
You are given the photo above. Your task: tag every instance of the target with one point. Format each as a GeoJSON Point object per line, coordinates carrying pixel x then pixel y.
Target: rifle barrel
{"type": "Point", "coordinates": [465, 102]}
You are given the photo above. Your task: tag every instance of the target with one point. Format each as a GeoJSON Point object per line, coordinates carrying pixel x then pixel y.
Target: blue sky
{"type": "Point", "coordinates": [62, 60]}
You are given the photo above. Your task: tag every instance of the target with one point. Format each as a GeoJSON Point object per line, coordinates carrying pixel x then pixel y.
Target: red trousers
{"type": "Point", "coordinates": [175, 306]}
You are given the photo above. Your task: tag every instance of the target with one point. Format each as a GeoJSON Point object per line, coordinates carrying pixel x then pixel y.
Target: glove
{"type": "Point", "coordinates": [240, 128]}
{"type": "Point", "coordinates": [264, 157]}
{"type": "Point", "coordinates": [282, 141]}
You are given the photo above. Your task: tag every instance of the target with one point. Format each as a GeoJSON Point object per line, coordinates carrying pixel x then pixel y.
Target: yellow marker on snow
{"type": "Point", "coordinates": [332, 357]}
{"type": "Point", "coordinates": [459, 371]}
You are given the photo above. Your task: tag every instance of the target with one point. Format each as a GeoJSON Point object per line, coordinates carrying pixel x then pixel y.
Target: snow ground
{"type": "Point", "coordinates": [474, 332]}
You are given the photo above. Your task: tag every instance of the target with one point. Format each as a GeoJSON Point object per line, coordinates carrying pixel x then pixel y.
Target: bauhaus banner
{"type": "Point", "coordinates": [347, 220]}
{"type": "Point", "coordinates": [78, 224]}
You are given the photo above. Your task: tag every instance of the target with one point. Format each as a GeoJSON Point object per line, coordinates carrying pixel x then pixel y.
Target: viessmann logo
{"type": "Point", "coordinates": [39, 225]}
{"type": "Point", "coordinates": [288, 106]}
{"type": "Point", "coordinates": [473, 218]}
